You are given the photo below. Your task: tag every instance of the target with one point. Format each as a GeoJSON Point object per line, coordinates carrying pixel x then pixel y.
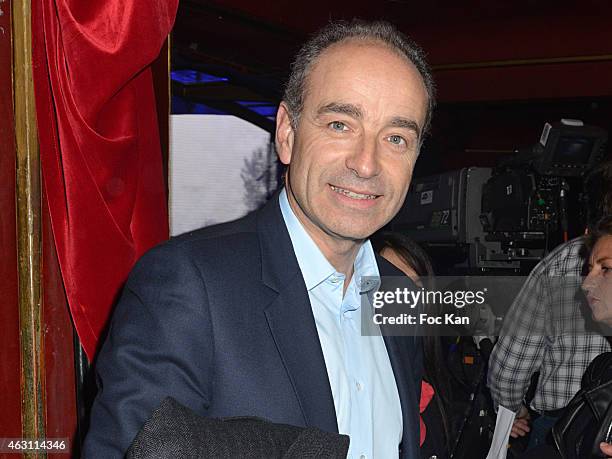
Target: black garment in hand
{"type": "Point", "coordinates": [175, 431]}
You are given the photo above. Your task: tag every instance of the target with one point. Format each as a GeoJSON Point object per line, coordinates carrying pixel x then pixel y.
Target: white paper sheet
{"type": "Point", "coordinates": [503, 426]}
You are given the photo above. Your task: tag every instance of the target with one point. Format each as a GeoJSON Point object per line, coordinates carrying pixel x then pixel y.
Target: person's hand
{"type": "Point", "coordinates": [606, 448]}
{"type": "Point", "coordinates": [520, 427]}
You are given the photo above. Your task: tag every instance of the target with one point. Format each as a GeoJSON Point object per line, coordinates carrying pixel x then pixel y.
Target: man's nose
{"type": "Point", "coordinates": [364, 161]}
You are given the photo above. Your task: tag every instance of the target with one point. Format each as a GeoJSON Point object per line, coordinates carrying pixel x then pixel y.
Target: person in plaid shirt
{"type": "Point", "coordinates": [545, 330]}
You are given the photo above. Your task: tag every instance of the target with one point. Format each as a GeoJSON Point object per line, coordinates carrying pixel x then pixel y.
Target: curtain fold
{"type": "Point", "coordinates": [99, 143]}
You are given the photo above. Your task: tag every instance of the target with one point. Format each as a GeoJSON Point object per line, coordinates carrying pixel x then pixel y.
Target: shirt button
{"type": "Point", "coordinates": [363, 456]}
{"type": "Point", "coordinates": [335, 280]}
{"type": "Point", "coordinates": [359, 387]}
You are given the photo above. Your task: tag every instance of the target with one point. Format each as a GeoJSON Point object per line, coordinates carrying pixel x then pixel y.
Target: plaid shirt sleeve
{"type": "Point", "coordinates": [519, 351]}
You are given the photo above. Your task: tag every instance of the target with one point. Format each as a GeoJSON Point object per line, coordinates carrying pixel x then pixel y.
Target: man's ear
{"type": "Point", "coordinates": [284, 134]}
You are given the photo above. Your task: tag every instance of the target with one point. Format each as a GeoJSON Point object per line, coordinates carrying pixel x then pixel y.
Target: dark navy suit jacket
{"type": "Point", "coordinates": [220, 320]}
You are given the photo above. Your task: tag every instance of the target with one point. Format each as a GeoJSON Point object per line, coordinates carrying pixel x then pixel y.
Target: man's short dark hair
{"type": "Point", "coordinates": [378, 31]}
{"type": "Point", "coordinates": [598, 193]}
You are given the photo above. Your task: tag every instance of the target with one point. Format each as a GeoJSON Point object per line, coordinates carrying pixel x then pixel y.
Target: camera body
{"type": "Point", "coordinates": [507, 218]}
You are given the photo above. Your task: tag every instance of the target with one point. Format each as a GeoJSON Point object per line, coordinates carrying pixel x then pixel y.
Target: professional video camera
{"type": "Point", "coordinates": [507, 218]}
{"type": "Point", "coordinates": [525, 202]}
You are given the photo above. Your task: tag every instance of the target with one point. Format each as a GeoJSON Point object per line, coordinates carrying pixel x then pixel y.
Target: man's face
{"type": "Point", "coordinates": [598, 284]}
{"type": "Point", "coordinates": [353, 152]}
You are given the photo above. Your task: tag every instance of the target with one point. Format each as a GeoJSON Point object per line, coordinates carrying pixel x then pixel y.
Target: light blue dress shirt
{"type": "Point", "coordinates": [363, 386]}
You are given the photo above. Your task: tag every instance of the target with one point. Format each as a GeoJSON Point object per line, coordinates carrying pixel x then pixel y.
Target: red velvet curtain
{"type": "Point", "coordinates": [99, 143]}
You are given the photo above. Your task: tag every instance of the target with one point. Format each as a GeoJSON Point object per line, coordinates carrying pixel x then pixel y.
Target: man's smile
{"type": "Point", "coordinates": [354, 194]}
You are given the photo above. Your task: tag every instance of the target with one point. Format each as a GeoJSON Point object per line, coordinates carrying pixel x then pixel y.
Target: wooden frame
{"type": "Point", "coordinates": [28, 194]}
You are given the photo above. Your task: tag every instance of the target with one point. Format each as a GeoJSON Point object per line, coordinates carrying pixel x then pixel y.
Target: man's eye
{"type": "Point", "coordinates": [396, 140]}
{"type": "Point", "coordinates": [338, 126]}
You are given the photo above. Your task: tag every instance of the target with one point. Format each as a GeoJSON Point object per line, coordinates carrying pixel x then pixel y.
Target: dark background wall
{"type": "Point", "coordinates": [503, 68]}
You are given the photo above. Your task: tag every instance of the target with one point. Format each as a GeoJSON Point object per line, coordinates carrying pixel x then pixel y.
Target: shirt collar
{"type": "Point", "coordinates": [313, 264]}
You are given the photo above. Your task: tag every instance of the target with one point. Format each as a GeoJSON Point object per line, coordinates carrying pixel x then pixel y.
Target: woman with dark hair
{"type": "Point", "coordinates": [412, 260]}
{"type": "Point", "coordinates": [404, 253]}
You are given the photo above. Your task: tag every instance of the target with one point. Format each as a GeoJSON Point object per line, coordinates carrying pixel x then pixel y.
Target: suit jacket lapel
{"type": "Point", "coordinates": [405, 355]}
{"type": "Point", "coordinates": [291, 321]}
{"type": "Point", "coordinates": [402, 357]}
{"type": "Point", "coordinates": [292, 325]}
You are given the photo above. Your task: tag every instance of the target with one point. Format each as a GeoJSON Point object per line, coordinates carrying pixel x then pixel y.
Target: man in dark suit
{"type": "Point", "coordinates": [261, 316]}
